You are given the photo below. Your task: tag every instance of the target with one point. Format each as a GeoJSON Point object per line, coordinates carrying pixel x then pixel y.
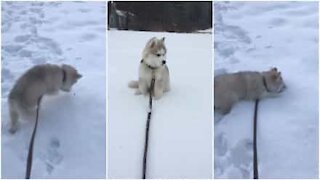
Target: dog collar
{"type": "Point", "coordinates": [265, 84]}
{"type": "Point", "coordinates": [64, 76]}
{"type": "Point", "coordinates": [151, 67]}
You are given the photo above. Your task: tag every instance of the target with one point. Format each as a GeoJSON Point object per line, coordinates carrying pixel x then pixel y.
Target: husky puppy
{"type": "Point", "coordinates": [153, 65]}
{"type": "Point", "coordinates": [36, 82]}
{"type": "Point", "coordinates": [248, 85]}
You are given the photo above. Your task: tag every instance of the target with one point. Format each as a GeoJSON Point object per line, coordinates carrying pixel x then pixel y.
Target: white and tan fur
{"type": "Point", "coordinates": [33, 84]}
{"type": "Point", "coordinates": [153, 65]}
{"type": "Point", "coordinates": [246, 85]}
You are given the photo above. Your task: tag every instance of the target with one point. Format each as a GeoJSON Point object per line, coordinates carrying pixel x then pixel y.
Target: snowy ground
{"type": "Point", "coordinates": [181, 126]}
{"type": "Point", "coordinates": [257, 36]}
{"type": "Point", "coordinates": [70, 141]}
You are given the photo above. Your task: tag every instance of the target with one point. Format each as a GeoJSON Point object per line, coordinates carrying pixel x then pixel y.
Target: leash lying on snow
{"type": "Point", "coordinates": [255, 153]}
{"type": "Point", "coordinates": [147, 130]}
{"type": "Point", "coordinates": [30, 152]}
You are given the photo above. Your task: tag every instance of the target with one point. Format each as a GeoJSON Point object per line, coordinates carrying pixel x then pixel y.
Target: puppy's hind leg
{"type": "Point", "coordinates": [137, 92]}
{"type": "Point", "coordinates": [167, 86]}
{"type": "Point", "coordinates": [14, 118]}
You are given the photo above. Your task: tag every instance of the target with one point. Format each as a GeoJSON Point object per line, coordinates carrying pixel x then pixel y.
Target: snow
{"type": "Point", "coordinates": [70, 141]}
{"type": "Point", "coordinates": [180, 144]}
{"type": "Point", "coordinates": [257, 36]}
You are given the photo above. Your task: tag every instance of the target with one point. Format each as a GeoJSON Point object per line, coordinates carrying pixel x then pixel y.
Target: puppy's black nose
{"type": "Point", "coordinates": [283, 88]}
{"type": "Point", "coordinates": [163, 62]}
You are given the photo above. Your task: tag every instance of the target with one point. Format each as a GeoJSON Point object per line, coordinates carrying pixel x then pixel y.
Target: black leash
{"type": "Point", "coordinates": [147, 130]}
{"type": "Point", "coordinates": [30, 153]}
{"type": "Point", "coordinates": [255, 153]}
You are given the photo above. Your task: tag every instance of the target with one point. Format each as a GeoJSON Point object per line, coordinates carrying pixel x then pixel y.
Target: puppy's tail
{"type": "Point", "coordinates": [133, 84]}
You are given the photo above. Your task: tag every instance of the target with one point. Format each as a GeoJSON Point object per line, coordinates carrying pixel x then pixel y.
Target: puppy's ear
{"type": "Point", "coordinates": [279, 74]}
{"type": "Point", "coordinates": [153, 43]}
{"type": "Point", "coordinates": [162, 39]}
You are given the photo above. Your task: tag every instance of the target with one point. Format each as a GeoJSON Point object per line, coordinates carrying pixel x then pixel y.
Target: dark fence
{"type": "Point", "coordinates": [160, 16]}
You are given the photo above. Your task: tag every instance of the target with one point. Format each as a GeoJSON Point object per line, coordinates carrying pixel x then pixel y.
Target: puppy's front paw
{"type": "Point", "coordinates": [13, 129]}
{"type": "Point", "coordinates": [158, 95]}
{"type": "Point", "coordinates": [137, 92]}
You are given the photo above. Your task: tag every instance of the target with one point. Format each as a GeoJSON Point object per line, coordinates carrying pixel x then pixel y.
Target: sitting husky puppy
{"type": "Point", "coordinates": [230, 88]}
{"type": "Point", "coordinates": [36, 82]}
{"type": "Point", "coordinates": [153, 65]}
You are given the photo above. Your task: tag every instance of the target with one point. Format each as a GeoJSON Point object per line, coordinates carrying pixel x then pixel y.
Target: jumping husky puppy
{"type": "Point", "coordinates": [36, 82]}
{"type": "Point", "coordinates": [153, 65]}
{"type": "Point", "coordinates": [248, 85]}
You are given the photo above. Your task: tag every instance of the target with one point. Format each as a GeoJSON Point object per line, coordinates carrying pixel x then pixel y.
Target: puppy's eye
{"type": "Point", "coordinates": [158, 55]}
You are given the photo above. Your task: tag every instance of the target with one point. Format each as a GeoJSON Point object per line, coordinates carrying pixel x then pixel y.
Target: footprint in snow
{"type": "Point", "coordinates": [241, 157]}
{"type": "Point", "coordinates": [78, 58]}
{"type": "Point", "coordinates": [235, 162]}
{"type": "Point", "coordinates": [220, 144]}
{"type": "Point", "coordinates": [53, 156]}
{"type": "Point", "coordinates": [12, 49]}
{"type": "Point", "coordinates": [84, 10]}
{"type": "Point", "coordinates": [22, 38]}
{"type": "Point", "coordinates": [6, 74]}
{"type": "Point", "coordinates": [50, 44]}
{"type": "Point", "coordinates": [88, 37]}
